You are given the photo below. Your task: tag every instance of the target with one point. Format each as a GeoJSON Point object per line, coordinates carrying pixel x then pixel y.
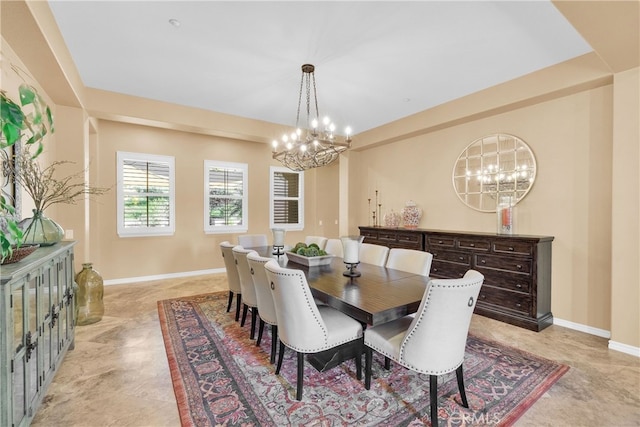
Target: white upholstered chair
{"type": "Point", "coordinates": [266, 308]}
{"type": "Point", "coordinates": [249, 299]}
{"type": "Point", "coordinates": [253, 240]}
{"type": "Point", "coordinates": [410, 260]}
{"type": "Point", "coordinates": [373, 254]}
{"type": "Point", "coordinates": [334, 247]}
{"type": "Point", "coordinates": [306, 327]}
{"type": "Point", "coordinates": [433, 341]}
{"type": "Point", "coordinates": [318, 240]}
{"type": "Point", "coordinates": [232, 276]}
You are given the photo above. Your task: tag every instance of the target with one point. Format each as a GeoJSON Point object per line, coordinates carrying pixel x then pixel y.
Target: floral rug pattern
{"type": "Point", "coordinates": [221, 378]}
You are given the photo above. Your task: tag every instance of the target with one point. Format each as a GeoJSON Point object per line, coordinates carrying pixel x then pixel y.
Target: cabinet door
{"type": "Point", "coordinates": [67, 299]}
{"type": "Point", "coordinates": [25, 383]}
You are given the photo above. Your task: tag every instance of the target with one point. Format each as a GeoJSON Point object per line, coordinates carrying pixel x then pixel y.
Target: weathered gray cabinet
{"type": "Point", "coordinates": [37, 320]}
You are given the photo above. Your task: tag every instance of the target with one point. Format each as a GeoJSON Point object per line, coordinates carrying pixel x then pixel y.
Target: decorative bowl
{"type": "Point", "coordinates": [21, 253]}
{"type": "Point", "coordinates": [310, 261]}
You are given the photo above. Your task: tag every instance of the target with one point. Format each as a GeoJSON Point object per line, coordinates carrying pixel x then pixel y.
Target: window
{"type": "Point", "coordinates": [287, 199]}
{"type": "Point", "coordinates": [225, 198]}
{"type": "Point", "coordinates": [146, 195]}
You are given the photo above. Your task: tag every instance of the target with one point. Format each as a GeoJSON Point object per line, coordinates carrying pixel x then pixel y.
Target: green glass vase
{"type": "Point", "coordinates": [41, 230]}
{"type": "Point", "coordinates": [89, 297]}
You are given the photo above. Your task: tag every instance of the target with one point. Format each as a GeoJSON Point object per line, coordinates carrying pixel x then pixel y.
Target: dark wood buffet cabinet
{"type": "Point", "coordinates": [516, 268]}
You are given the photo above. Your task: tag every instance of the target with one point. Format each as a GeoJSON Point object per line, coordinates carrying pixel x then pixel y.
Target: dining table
{"type": "Point", "coordinates": [378, 295]}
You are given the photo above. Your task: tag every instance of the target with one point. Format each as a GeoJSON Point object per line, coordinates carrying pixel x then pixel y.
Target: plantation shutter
{"type": "Point", "coordinates": [226, 192]}
{"type": "Point", "coordinates": [147, 193]}
{"type": "Point", "coordinates": [286, 199]}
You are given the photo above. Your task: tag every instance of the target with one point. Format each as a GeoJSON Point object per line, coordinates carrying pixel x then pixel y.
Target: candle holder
{"type": "Point", "coordinates": [351, 250]}
{"type": "Point", "coordinates": [351, 269]}
{"type": "Point", "coordinates": [278, 241]}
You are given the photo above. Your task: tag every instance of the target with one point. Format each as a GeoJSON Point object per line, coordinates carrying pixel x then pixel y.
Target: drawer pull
{"type": "Point", "coordinates": [460, 274]}
{"type": "Point", "coordinates": [511, 248]}
{"type": "Point", "coordinates": [518, 285]}
{"type": "Point", "coordinates": [435, 270]}
{"type": "Point", "coordinates": [483, 262]}
{"type": "Point", "coordinates": [440, 242]}
{"type": "Point", "coordinates": [518, 305]}
{"type": "Point", "coordinates": [483, 296]}
{"type": "Point", "coordinates": [472, 245]}
{"type": "Point", "coordinates": [435, 255]}
{"type": "Point", "coordinates": [519, 266]}
{"type": "Point", "coordinates": [461, 258]}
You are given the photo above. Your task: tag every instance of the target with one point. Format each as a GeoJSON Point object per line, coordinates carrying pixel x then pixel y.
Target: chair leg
{"type": "Point", "coordinates": [280, 358]}
{"type": "Point", "coordinates": [367, 367]}
{"type": "Point", "coordinates": [359, 361]}
{"type": "Point", "coordinates": [245, 307]}
{"type": "Point", "coordinates": [238, 304]}
{"type": "Point", "coordinates": [254, 316]}
{"type": "Point", "coordinates": [433, 394]}
{"type": "Point", "coordinates": [463, 394]}
{"type": "Point", "coordinates": [260, 328]}
{"type": "Point", "coordinates": [274, 342]}
{"type": "Point", "coordinates": [387, 363]}
{"type": "Point", "coordinates": [230, 300]}
{"type": "Point", "coordinates": [300, 376]}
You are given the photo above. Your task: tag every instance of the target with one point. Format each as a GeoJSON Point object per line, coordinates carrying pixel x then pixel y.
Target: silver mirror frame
{"type": "Point", "coordinates": [492, 166]}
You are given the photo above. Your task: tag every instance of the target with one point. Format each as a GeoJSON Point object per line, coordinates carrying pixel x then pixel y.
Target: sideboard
{"type": "Point", "coordinates": [516, 268]}
{"type": "Point", "coordinates": [37, 321]}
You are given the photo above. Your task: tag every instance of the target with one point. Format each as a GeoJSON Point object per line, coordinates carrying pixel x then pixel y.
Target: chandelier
{"type": "Point", "coordinates": [316, 144]}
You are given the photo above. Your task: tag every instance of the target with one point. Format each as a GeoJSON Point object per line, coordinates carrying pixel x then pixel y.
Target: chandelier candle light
{"type": "Point", "coordinates": [315, 145]}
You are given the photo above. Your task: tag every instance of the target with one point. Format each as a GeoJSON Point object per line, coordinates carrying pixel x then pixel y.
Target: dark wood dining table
{"type": "Point", "coordinates": [379, 295]}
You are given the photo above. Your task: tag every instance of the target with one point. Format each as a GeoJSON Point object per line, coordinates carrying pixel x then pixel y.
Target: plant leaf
{"type": "Point", "coordinates": [27, 94]}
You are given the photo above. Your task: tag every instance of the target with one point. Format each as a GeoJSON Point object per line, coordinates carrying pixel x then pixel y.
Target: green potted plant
{"type": "Point", "coordinates": [24, 122]}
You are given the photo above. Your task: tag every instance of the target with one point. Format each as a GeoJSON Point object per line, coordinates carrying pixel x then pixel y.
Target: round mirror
{"type": "Point", "coordinates": [494, 166]}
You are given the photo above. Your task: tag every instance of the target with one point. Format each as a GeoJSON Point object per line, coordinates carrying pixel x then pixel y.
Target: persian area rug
{"type": "Point", "coordinates": [220, 377]}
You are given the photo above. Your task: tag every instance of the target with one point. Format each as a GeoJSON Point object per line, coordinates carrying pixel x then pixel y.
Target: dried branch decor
{"type": "Point", "coordinates": [44, 188]}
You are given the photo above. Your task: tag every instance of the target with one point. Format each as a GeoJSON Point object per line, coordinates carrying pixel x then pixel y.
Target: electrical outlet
{"type": "Point", "coordinates": [68, 234]}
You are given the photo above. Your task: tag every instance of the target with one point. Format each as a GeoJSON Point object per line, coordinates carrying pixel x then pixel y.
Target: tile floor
{"type": "Point", "coordinates": [118, 375]}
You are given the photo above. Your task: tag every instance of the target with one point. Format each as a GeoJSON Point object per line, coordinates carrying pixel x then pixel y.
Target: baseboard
{"type": "Point", "coordinates": [582, 328]}
{"type": "Point", "coordinates": [624, 348]}
{"type": "Point", "coordinates": [163, 276]}
{"type": "Point", "coordinates": [613, 345]}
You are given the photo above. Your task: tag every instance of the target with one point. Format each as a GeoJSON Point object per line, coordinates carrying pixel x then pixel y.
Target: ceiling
{"type": "Point", "coordinates": [375, 61]}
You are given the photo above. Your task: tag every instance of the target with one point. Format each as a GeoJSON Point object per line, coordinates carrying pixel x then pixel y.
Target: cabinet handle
{"type": "Point", "coordinates": [460, 274]}
{"type": "Point", "coordinates": [519, 266]}
{"type": "Point", "coordinates": [483, 296]}
{"type": "Point", "coordinates": [472, 245]}
{"type": "Point", "coordinates": [54, 315]}
{"type": "Point", "coordinates": [511, 248]}
{"type": "Point", "coordinates": [483, 262]}
{"type": "Point", "coordinates": [440, 242]}
{"type": "Point", "coordinates": [518, 305]}
{"type": "Point", "coordinates": [435, 255]}
{"type": "Point", "coordinates": [435, 270]}
{"type": "Point", "coordinates": [31, 345]}
{"type": "Point", "coordinates": [518, 285]}
{"type": "Point", "coordinates": [461, 258]}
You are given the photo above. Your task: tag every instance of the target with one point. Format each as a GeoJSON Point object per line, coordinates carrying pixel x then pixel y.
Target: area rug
{"type": "Point", "coordinates": [221, 378]}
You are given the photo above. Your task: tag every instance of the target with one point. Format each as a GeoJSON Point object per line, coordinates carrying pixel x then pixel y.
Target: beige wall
{"type": "Point", "coordinates": [580, 118]}
{"type": "Point", "coordinates": [626, 210]}
{"type": "Point", "coordinates": [570, 200]}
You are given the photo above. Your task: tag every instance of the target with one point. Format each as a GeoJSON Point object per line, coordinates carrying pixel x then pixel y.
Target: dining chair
{"type": "Point", "coordinates": [266, 308]}
{"type": "Point", "coordinates": [318, 240]}
{"type": "Point", "coordinates": [306, 327]}
{"type": "Point", "coordinates": [249, 299]}
{"type": "Point", "coordinates": [373, 254]}
{"type": "Point", "coordinates": [232, 276]}
{"type": "Point", "coordinates": [334, 247]}
{"type": "Point", "coordinates": [433, 341]}
{"type": "Point", "coordinates": [253, 240]}
{"type": "Point", "coordinates": [410, 260]}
